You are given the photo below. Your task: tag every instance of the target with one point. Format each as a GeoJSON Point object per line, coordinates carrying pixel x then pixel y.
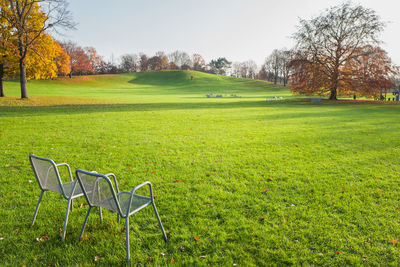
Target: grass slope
{"type": "Point", "coordinates": [167, 86]}
{"type": "Point", "coordinates": [256, 182]}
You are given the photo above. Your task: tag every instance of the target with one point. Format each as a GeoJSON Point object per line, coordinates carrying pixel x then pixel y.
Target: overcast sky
{"type": "Point", "coordinates": [236, 29]}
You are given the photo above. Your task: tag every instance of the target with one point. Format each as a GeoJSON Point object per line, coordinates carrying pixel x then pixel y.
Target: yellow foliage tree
{"type": "Point", "coordinates": [24, 26]}
{"type": "Point", "coordinates": [25, 47]}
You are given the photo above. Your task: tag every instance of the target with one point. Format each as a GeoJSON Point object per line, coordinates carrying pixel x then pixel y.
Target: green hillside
{"type": "Point", "coordinates": [149, 86]}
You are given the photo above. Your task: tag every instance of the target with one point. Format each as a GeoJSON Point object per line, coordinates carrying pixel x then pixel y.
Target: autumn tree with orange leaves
{"type": "Point", "coordinates": [26, 23]}
{"type": "Point", "coordinates": [337, 53]}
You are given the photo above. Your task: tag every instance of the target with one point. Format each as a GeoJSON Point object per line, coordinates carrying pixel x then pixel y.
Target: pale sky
{"type": "Point", "coordinates": [236, 29]}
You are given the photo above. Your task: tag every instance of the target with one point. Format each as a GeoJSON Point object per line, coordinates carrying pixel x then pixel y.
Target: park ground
{"type": "Point", "coordinates": [238, 180]}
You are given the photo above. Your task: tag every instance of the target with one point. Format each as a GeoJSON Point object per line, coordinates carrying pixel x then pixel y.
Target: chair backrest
{"type": "Point", "coordinates": [98, 190]}
{"type": "Point", "coordinates": [46, 173]}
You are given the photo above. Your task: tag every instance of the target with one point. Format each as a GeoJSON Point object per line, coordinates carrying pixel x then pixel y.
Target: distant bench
{"type": "Point", "coordinates": [316, 100]}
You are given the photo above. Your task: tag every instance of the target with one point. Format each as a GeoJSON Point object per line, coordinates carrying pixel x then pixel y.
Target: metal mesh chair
{"type": "Point", "coordinates": [99, 192]}
{"type": "Point", "coordinates": [48, 178]}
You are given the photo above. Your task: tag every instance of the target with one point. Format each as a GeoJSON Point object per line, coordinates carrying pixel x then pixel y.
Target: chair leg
{"type": "Point", "coordinates": [159, 222]}
{"type": "Point", "coordinates": [84, 223]}
{"type": "Point", "coordinates": [66, 220]}
{"type": "Point", "coordinates": [72, 204]}
{"type": "Point", "coordinates": [127, 240]}
{"type": "Point", "coordinates": [101, 215]}
{"type": "Point", "coordinates": [37, 208]}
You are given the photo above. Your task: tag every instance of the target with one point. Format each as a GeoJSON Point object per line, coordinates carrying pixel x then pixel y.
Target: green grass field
{"type": "Point", "coordinates": [238, 180]}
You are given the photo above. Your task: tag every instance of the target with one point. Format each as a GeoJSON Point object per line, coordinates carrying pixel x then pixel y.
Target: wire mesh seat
{"type": "Point", "coordinates": [99, 192]}
{"type": "Point", "coordinates": [48, 178]}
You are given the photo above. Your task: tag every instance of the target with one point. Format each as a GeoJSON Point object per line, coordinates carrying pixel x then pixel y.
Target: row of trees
{"type": "Point", "coordinates": [85, 60]}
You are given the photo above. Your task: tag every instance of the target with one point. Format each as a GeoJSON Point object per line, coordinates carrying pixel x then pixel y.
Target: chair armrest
{"type": "Point", "coordinates": [69, 169]}
{"type": "Point", "coordinates": [141, 185]}
{"type": "Point", "coordinates": [136, 188]}
{"type": "Point", "coordinates": [115, 180]}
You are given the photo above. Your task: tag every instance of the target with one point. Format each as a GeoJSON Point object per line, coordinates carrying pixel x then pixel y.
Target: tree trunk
{"type": "Point", "coordinates": [333, 94]}
{"type": "Point", "coordinates": [22, 79]}
{"type": "Point", "coordinates": [1, 80]}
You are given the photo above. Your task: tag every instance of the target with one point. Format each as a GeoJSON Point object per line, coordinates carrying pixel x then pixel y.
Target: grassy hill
{"type": "Point", "coordinates": [238, 180]}
{"type": "Point", "coordinates": [149, 86]}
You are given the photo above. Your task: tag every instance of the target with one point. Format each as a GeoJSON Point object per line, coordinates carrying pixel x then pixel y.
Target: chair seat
{"type": "Point", "coordinates": [138, 203]}
{"type": "Point", "coordinates": [68, 189]}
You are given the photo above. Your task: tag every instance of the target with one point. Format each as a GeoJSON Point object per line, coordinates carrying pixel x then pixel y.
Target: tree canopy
{"type": "Point", "coordinates": [24, 26]}
{"type": "Point", "coordinates": [331, 49]}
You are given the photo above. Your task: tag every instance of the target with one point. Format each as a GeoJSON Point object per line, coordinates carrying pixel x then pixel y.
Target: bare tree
{"type": "Point", "coordinates": [332, 39]}
{"type": "Point", "coordinates": [199, 63]}
{"type": "Point", "coordinates": [129, 63]}
{"type": "Point", "coordinates": [143, 62]}
{"type": "Point", "coordinates": [274, 64]}
{"type": "Point", "coordinates": [29, 20]}
{"type": "Point", "coordinates": [180, 59]}
{"type": "Point", "coordinates": [286, 58]}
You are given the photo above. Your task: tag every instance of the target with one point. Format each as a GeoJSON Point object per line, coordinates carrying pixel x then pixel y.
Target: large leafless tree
{"type": "Point", "coordinates": [333, 38]}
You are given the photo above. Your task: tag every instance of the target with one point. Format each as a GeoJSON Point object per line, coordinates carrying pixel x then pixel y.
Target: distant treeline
{"type": "Point", "coordinates": [86, 61]}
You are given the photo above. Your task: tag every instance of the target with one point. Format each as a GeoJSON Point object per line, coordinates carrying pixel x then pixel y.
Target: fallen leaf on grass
{"type": "Point", "coordinates": [379, 178]}
{"type": "Point", "coordinates": [208, 175]}
{"type": "Point", "coordinates": [379, 191]}
{"type": "Point", "coordinates": [394, 242]}
{"type": "Point", "coordinates": [337, 252]}
{"type": "Point", "coordinates": [41, 239]}
{"type": "Point", "coordinates": [52, 263]}
{"type": "Point", "coordinates": [202, 256]}
{"type": "Point", "coordinates": [177, 180]}
{"type": "Point", "coordinates": [84, 237]}
{"type": "Point", "coordinates": [153, 172]}
{"type": "Point", "coordinates": [162, 254]}
{"type": "Point", "coordinates": [154, 196]}
{"type": "Point", "coordinates": [262, 219]}
{"type": "Point", "coordinates": [172, 259]}
{"type": "Point", "coordinates": [17, 230]}
{"type": "Point", "coordinates": [168, 234]}
{"type": "Point", "coordinates": [196, 239]}
{"type": "Point", "coordinates": [1, 238]}
{"type": "Point", "coordinates": [129, 167]}
{"type": "Point", "coordinates": [206, 202]}
{"type": "Point", "coordinates": [96, 258]}
{"type": "Point", "coordinates": [266, 190]}
{"type": "Point", "coordinates": [123, 230]}
{"type": "Point", "coordinates": [30, 181]}
{"type": "Point", "coordinates": [111, 223]}
{"type": "Point", "coordinates": [125, 183]}
{"type": "Point", "coordinates": [181, 248]}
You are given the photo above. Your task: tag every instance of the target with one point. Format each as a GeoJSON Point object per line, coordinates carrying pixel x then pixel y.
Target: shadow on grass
{"type": "Point", "coordinates": [314, 110]}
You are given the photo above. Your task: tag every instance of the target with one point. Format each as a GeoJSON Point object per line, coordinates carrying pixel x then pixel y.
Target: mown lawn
{"type": "Point", "coordinates": [238, 180]}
